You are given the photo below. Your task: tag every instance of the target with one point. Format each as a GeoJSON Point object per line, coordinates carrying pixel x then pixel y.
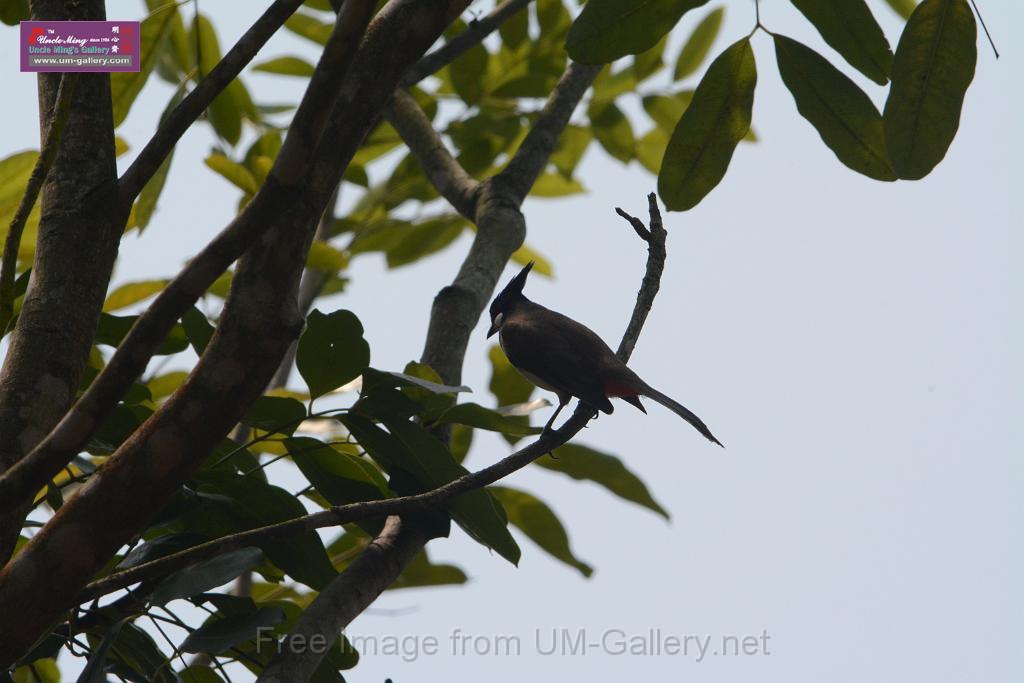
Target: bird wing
{"type": "Point", "coordinates": [560, 352]}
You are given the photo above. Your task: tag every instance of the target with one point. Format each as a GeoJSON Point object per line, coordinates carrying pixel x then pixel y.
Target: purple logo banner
{"type": "Point", "coordinates": [87, 46]}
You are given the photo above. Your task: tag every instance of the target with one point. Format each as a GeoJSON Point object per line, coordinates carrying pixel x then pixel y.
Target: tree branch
{"type": "Point", "coordinates": [442, 170]}
{"type": "Point", "coordinates": [533, 154]}
{"type": "Point", "coordinates": [76, 244]}
{"type": "Point", "coordinates": [460, 44]}
{"type": "Point", "coordinates": [51, 143]}
{"type": "Point", "coordinates": [343, 514]}
{"type": "Point", "coordinates": [284, 187]}
{"type": "Point", "coordinates": [376, 568]}
{"type": "Point", "coordinates": [260, 319]}
{"type": "Point", "coordinates": [196, 102]}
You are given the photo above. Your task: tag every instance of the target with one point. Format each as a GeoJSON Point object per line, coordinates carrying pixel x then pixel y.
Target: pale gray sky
{"type": "Point", "coordinates": [854, 344]}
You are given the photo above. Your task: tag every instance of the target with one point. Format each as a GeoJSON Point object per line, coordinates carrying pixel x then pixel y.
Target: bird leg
{"type": "Point", "coordinates": [547, 428]}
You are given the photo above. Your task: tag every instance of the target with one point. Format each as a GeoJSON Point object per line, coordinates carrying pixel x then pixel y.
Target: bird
{"type": "Point", "coordinates": [558, 354]}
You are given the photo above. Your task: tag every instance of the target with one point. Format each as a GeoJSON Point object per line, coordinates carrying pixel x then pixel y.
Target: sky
{"type": "Point", "coordinates": [854, 344]}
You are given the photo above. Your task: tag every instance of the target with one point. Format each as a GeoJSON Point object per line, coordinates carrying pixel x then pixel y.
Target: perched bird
{"type": "Point", "coordinates": [561, 355]}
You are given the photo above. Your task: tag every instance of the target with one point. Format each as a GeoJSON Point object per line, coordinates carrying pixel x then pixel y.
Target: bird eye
{"type": "Point", "coordinates": [498, 318]}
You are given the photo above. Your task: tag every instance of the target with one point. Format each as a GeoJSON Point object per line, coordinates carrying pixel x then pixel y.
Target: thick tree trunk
{"type": "Point", "coordinates": [79, 233]}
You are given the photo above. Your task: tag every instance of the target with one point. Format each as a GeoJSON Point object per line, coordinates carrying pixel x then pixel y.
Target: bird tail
{"type": "Point", "coordinates": [681, 411]}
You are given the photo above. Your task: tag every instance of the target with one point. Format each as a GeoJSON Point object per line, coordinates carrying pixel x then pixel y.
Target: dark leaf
{"type": "Point", "coordinates": [220, 635]}
{"type": "Point", "coordinates": [850, 29]}
{"type": "Point", "coordinates": [535, 519]}
{"type": "Point", "coordinates": [702, 145]}
{"type": "Point", "coordinates": [612, 130]}
{"type": "Point", "coordinates": [608, 29]}
{"type": "Point", "coordinates": [842, 113]}
{"type": "Point", "coordinates": [286, 66]}
{"type": "Point", "coordinates": [695, 49]}
{"type": "Point", "coordinates": [331, 351]}
{"type": "Point", "coordinates": [473, 415]}
{"type": "Point", "coordinates": [256, 503]}
{"type": "Point", "coordinates": [338, 476]}
{"type": "Point", "coordinates": [206, 575]}
{"type": "Point", "coordinates": [275, 414]}
{"type": "Point", "coordinates": [198, 329]}
{"type": "Point", "coordinates": [580, 462]}
{"type": "Point", "coordinates": [126, 86]}
{"type": "Point", "coordinates": [421, 572]}
{"type": "Point", "coordinates": [475, 511]}
{"type": "Point", "coordinates": [933, 67]}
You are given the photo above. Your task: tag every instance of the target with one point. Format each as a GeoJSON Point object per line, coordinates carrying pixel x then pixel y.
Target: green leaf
{"type": "Point", "coordinates": [608, 29]}
{"type": "Point", "coordinates": [206, 575]}
{"type": "Point", "coordinates": [535, 519]}
{"type": "Point", "coordinates": [666, 110]}
{"type": "Point", "coordinates": [161, 546]}
{"type": "Point", "coordinates": [507, 384]}
{"type": "Point", "coordinates": [125, 86]}
{"type": "Point", "coordinates": [516, 29]}
{"type": "Point", "coordinates": [145, 206]}
{"type": "Point", "coordinates": [14, 174]}
{"type": "Point", "coordinates": [132, 293]}
{"type": "Point", "coordinates": [580, 462]}
{"type": "Point", "coordinates": [541, 264]}
{"type": "Point", "coordinates": [135, 649]}
{"type": "Point", "coordinates": [309, 27]}
{"type": "Point", "coordinates": [649, 62]}
{"type": "Point", "coordinates": [198, 329]}
{"type": "Point", "coordinates": [424, 238]}
{"type": "Point", "coordinates": [225, 112]}
{"type": "Point", "coordinates": [612, 130]}
{"type": "Point", "coordinates": [338, 476]}
{"type": "Point", "coordinates": [842, 113]}
{"type": "Point", "coordinates": [475, 511]}
{"type": "Point", "coordinates": [197, 673]}
{"type": "Point", "coordinates": [13, 11]}
{"type": "Point", "coordinates": [695, 49]}
{"type": "Point", "coordinates": [275, 414]}
{"type": "Point", "coordinates": [474, 415]}
{"type": "Point", "coordinates": [180, 59]}
{"type": "Point", "coordinates": [468, 73]}
{"type": "Point", "coordinates": [373, 378]}
{"type": "Point", "coordinates": [166, 384]}
{"type": "Point", "coordinates": [702, 145]}
{"type": "Point", "coordinates": [904, 8]}
{"type": "Point", "coordinates": [933, 67]}
{"type": "Point", "coordinates": [286, 66]}
{"type": "Point", "coordinates": [257, 503]}
{"type": "Point", "coordinates": [421, 572]}
{"type": "Point", "coordinates": [235, 173]}
{"type": "Point", "coordinates": [325, 258]}
{"type": "Point", "coordinates": [95, 668]}
{"type": "Point", "coordinates": [555, 185]}
{"type": "Point", "coordinates": [850, 29]}
{"type": "Point", "coordinates": [219, 635]}
{"type": "Point", "coordinates": [570, 149]}
{"type": "Point", "coordinates": [331, 351]}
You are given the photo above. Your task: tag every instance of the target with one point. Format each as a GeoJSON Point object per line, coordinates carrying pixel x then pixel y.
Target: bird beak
{"type": "Point", "coordinates": [492, 330]}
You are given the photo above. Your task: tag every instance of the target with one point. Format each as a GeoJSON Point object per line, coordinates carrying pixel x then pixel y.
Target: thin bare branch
{"type": "Point", "coordinates": [655, 238]}
{"type": "Point", "coordinates": [47, 154]}
{"type": "Point", "coordinates": [442, 170]}
{"type": "Point", "coordinates": [457, 46]}
{"type": "Point", "coordinates": [197, 101]}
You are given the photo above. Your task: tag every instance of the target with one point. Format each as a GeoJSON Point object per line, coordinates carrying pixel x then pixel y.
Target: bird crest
{"type": "Point", "coordinates": [516, 284]}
